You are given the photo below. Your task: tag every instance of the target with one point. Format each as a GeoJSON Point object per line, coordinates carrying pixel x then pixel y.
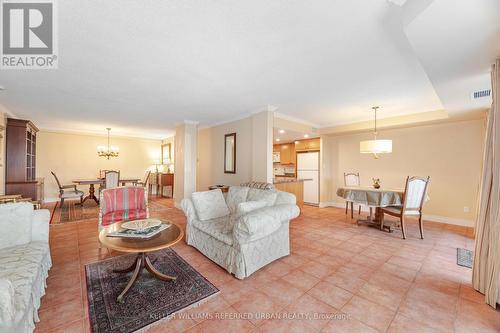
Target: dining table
{"type": "Point", "coordinates": [375, 199]}
{"type": "Point", "coordinates": [100, 181]}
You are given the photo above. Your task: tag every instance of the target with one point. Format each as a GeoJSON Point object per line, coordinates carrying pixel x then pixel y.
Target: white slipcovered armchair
{"type": "Point", "coordinates": [24, 265]}
{"type": "Point", "coordinates": [242, 232]}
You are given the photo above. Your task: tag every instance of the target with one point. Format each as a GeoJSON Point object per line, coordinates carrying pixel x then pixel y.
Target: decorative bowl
{"type": "Point", "coordinates": [141, 224]}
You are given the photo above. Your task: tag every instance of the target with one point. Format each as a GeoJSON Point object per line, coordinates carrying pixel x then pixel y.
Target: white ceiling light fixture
{"type": "Point", "coordinates": [375, 146]}
{"type": "Point", "coordinates": [306, 136]}
{"type": "Point", "coordinates": [278, 140]}
{"type": "Point", "coordinates": [282, 131]}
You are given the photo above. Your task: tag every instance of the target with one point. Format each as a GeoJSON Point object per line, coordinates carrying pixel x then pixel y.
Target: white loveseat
{"type": "Point", "coordinates": [242, 231]}
{"type": "Point", "coordinates": [24, 265]}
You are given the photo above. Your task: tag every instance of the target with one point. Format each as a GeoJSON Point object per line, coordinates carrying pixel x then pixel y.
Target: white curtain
{"type": "Point", "coordinates": [486, 270]}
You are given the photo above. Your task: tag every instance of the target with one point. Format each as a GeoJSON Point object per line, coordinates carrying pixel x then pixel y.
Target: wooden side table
{"type": "Point", "coordinates": [164, 239]}
{"type": "Point", "coordinates": [223, 188]}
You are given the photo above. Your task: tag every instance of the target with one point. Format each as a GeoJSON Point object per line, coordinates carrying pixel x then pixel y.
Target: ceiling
{"type": "Point", "coordinates": [142, 67]}
{"type": "Point", "coordinates": [290, 135]}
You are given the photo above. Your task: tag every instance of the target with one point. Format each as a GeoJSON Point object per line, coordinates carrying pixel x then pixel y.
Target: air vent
{"type": "Point", "coordinates": [481, 94]}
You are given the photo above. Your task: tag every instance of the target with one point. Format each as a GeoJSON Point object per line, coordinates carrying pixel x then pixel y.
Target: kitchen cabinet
{"type": "Point", "coordinates": [310, 144]}
{"type": "Point", "coordinates": [286, 153]}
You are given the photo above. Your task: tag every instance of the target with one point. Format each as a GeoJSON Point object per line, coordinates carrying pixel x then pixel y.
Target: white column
{"type": "Point", "coordinates": [185, 161]}
{"type": "Point", "coordinates": [262, 147]}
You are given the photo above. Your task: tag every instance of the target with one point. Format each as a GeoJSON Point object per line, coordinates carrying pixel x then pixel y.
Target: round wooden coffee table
{"type": "Point", "coordinates": [164, 239]}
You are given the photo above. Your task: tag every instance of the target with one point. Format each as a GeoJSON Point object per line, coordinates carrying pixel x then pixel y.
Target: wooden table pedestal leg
{"type": "Point", "coordinates": [91, 194]}
{"type": "Point", "coordinates": [142, 261]}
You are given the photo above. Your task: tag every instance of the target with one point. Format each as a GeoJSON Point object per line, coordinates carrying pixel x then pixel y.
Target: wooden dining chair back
{"type": "Point", "coordinates": [67, 191]}
{"type": "Point", "coordinates": [143, 183]}
{"type": "Point", "coordinates": [351, 180]}
{"type": "Point", "coordinates": [412, 203]}
{"type": "Point", "coordinates": [415, 190]}
{"type": "Point", "coordinates": [111, 179]}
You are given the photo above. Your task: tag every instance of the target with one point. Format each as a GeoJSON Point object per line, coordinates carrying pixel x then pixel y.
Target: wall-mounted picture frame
{"type": "Point", "coordinates": [166, 153]}
{"type": "Point", "coordinates": [230, 153]}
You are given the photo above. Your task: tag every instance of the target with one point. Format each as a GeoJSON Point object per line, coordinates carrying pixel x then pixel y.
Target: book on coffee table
{"type": "Point", "coordinates": [139, 234]}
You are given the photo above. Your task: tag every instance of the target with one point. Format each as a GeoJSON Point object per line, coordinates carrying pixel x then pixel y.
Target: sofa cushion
{"type": "Point", "coordinates": [235, 196]}
{"type": "Point", "coordinates": [123, 215]}
{"type": "Point", "coordinates": [217, 228]}
{"type": "Point", "coordinates": [7, 306]}
{"type": "Point", "coordinates": [209, 204]}
{"type": "Point", "coordinates": [268, 196]}
{"type": "Point", "coordinates": [285, 198]}
{"type": "Point", "coordinates": [15, 223]}
{"type": "Point", "coordinates": [255, 225]}
{"type": "Point", "coordinates": [25, 267]}
{"type": "Point", "coordinates": [247, 207]}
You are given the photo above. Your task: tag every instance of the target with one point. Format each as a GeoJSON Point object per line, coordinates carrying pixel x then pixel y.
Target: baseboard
{"type": "Point", "coordinates": [427, 217]}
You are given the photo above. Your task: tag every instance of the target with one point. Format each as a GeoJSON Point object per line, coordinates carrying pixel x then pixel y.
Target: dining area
{"type": "Point", "coordinates": [107, 179]}
{"type": "Point", "coordinates": [400, 203]}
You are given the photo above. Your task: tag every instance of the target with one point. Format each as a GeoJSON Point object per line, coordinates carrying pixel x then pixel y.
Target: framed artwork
{"type": "Point", "coordinates": [166, 153]}
{"type": "Point", "coordinates": [230, 153]}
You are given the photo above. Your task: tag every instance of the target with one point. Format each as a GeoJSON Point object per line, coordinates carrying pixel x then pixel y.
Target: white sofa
{"type": "Point", "coordinates": [242, 231]}
{"type": "Point", "coordinates": [24, 265]}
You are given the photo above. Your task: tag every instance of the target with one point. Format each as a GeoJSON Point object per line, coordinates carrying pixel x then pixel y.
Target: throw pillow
{"type": "Point", "coordinates": [269, 196]}
{"type": "Point", "coordinates": [15, 223]}
{"type": "Point", "coordinates": [235, 196]}
{"type": "Point", "coordinates": [209, 204]}
{"type": "Point", "coordinates": [247, 207]}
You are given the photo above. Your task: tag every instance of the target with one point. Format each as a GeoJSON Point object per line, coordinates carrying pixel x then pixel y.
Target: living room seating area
{"type": "Point", "coordinates": [243, 231]}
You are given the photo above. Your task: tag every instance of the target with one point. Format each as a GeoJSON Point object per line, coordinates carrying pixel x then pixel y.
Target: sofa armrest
{"type": "Point", "coordinates": [188, 209]}
{"type": "Point", "coordinates": [282, 212]}
{"type": "Point", "coordinates": [255, 225]}
{"type": "Point", "coordinates": [40, 225]}
{"type": "Point", "coordinates": [7, 306]}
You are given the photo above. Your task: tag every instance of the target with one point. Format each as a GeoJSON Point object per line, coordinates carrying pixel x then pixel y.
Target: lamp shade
{"type": "Point", "coordinates": [375, 146]}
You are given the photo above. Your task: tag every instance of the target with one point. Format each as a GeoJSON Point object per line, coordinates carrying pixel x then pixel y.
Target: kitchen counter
{"type": "Point", "coordinates": [290, 180]}
{"type": "Point", "coordinates": [294, 186]}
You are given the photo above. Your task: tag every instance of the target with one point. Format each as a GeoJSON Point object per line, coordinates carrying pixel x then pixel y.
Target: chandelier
{"type": "Point", "coordinates": [375, 146]}
{"type": "Point", "coordinates": [110, 151]}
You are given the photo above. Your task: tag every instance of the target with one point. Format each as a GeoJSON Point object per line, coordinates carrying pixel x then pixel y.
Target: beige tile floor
{"type": "Point", "coordinates": [348, 278]}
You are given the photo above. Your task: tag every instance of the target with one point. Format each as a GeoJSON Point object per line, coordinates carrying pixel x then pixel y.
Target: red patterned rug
{"type": "Point", "coordinates": [149, 300]}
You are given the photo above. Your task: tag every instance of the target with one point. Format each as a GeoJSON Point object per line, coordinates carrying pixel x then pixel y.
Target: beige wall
{"type": "Point", "coordinates": [450, 153]}
{"type": "Point", "coordinates": [185, 163]}
{"type": "Point", "coordinates": [262, 147]}
{"type": "Point", "coordinates": [73, 156]}
{"type": "Point", "coordinates": [211, 154]}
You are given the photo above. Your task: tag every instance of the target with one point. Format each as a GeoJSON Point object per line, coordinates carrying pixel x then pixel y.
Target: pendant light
{"type": "Point", "coordinates": [375, 146]}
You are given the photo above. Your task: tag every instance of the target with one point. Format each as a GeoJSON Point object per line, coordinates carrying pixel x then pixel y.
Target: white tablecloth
{"type": "Point", "coordinates": [371, 196]}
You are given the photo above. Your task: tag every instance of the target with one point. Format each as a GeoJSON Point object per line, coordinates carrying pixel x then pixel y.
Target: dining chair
{"type": "Point", "coordinates": [111, 179]}
{"type": "Point", "coordinates": [122, 204]}
{"type": "Point", "coordinates": [67, 191]}
{"type": "Point", "coordinates": [413, 200]}
{"type": "Point", "coordinates": [351, 179]}
{"type": "Point", "coordinates": [145, 182]}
